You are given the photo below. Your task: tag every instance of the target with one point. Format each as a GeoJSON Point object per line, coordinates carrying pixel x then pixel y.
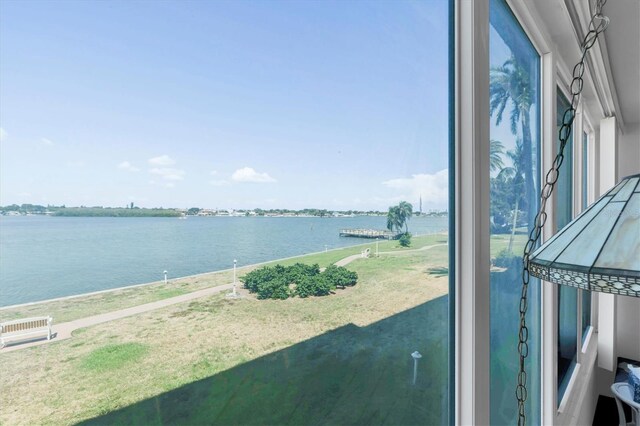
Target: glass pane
{"type": "Point", "coordinates": [586, 313]}
{"type": "Point", "coordinates": [586, 247]}
{"type": "Point", "coordinates": [567, 296]}
{"type": "Point", "coordinates": [623, 245]}
{"type": "Point", "coordinates": [260, 147]}
{"type": "Point", "coordinates": [585, 171]}
{"type": "Point", "coordinates": [564, 237]}
{"type": "Point", "coordinates": [515, 170]}
{"type": "Point", "coordinates": [586, 295]}
{"type": "Point", "coordinates": [626, 191]}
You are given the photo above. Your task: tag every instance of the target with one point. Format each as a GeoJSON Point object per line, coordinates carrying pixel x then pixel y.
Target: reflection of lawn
{"type": "Point", "coordinates": [344, 358]}
{"type": "Point", "coordinates": [505, 318]}
{"type": "Point", "coordinates": [500, 242]}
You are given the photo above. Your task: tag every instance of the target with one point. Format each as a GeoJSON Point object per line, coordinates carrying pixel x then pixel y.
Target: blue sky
{"type": "Point", "coordinates": [240, 104]}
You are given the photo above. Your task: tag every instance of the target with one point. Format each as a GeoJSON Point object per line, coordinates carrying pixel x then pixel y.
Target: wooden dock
{"type": "Point", "coordinates": [369, 233]}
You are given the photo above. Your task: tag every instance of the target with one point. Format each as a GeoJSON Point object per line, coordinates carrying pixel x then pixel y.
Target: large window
{"type": "Point", "coordinates": [515, 170]}
{"type": "Point", "coordinates": [567, 296]}
{"type": "Point", "coordinates": [285, 136]}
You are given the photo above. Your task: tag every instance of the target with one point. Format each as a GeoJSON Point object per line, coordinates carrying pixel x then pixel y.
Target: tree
{"type": "Point", "coordinates": [406, 211]}
{"type": "Point", "coordinates": [393, 219]}
{"type": "Point", "coordinates": [495, 155]}
{"type": "Point", "coordinates": [398, 216]}
{"type": "Point", "coordinates": [517, 172]}
{"type": "Point", "coordinates": [405, 239]}
{"type": "Point", "coordinates": [510, 84]}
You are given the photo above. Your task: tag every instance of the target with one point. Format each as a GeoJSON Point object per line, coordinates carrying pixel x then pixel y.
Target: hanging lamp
{"type": "Point", "coordinates": [600, 249]}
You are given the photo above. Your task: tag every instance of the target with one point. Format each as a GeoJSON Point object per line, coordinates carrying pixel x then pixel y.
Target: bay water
{"type": "Point", "coordinates": [47, 257]}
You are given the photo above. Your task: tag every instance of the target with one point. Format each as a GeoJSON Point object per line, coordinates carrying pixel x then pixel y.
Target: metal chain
{"type": "Point", "coordinates": [597, 25]}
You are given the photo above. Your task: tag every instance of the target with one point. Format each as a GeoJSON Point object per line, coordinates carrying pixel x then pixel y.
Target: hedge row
{"type": "Point", "coordinates": [280, 282]}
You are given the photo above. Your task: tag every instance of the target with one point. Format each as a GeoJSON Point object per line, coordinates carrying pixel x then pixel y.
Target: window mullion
{"type": "Point", "coordinates": [472, 212]}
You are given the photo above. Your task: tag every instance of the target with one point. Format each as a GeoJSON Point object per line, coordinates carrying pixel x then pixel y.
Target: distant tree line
{"type": "Point", "coordinates": [115, 212]}
{"type": "Point", "coordinates": [282, 282]}
{"type": "Point", "coordinates": [96, 211]}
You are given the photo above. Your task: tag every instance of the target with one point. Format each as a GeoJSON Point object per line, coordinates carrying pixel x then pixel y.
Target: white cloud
{"type": "Point", "coordinates": [162, 160]}
{"type": "Point", "coordinates": [219, 182]}
{"type": "Point", "coordinates": [125, 165]}
{"type": "Point", "coordinates": [247, 174]}
{"type": "Point", "coordinates": [46, 141]}
{"type": "Point", "coordinates": [3, 134]}
{"type": "Point", "coordinates": [76, 163]}
{"type": "Point", "coordinates": [169, 185]}
{"type": "Point", "coordinates": [168, 173]}
{"type": "Point", "coordinates": [433, 188]}
{"type": "Point", "coordinates": [213, 172]}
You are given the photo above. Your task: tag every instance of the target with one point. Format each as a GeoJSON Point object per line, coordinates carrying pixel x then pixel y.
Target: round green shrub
{"type": "Point", "coordinates": [405, 239]}
{"type": "Point", "coordinates": [279, 282]}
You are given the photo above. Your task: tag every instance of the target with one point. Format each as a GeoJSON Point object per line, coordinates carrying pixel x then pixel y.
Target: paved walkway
{"type": "Point", "coordinates": [64, 330]}
{"type": "Point", "coordinates": [414, 250]}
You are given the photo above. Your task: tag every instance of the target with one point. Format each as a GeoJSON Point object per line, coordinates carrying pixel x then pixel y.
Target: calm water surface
{"type": "Point", "coordinates": [47, 257]}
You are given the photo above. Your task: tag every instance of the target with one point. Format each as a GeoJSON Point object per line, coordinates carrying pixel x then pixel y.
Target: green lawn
{"type": "Point", "coordinates": [343, 358]}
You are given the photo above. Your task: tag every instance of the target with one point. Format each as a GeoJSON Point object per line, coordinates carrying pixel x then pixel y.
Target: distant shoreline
{"type": "Point", "coordinates": [180, 215]}
{"type": "Point", "coordinates": [135, 211]}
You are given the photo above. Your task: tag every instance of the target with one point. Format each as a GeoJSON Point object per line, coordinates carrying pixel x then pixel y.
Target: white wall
{"type": "Point", "coordinates": [628, 309]}
{"type": "Point", "coordinates": [629, 151]}
{"type": "Point", "coordinates": [628, 327]}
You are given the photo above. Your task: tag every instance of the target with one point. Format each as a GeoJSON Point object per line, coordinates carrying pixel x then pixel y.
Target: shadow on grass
{"type": "Point", "coordinates": [350, 375]}
{"type": "Point", "coordinates": [440, 271]}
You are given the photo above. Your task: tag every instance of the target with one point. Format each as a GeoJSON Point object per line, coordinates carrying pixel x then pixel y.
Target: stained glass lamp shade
{"type": "Point", "coordinates": [600, 249]}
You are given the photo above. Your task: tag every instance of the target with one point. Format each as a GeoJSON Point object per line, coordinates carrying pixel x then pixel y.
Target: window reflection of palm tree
{"type": "Point", "coordinates": [517, 174]}
{"type": "Point", "coordinates": [510, 84]}
{"type": "Point", "coordinates": [495, 155]}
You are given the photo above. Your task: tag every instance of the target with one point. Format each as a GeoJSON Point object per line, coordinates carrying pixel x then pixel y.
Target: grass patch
{"type": "Point", "coordinates": [221, 361]}
{"type": "Point", "coordinates": [171, 292]}
{"type": "Point", "coordinates": [115, 356]}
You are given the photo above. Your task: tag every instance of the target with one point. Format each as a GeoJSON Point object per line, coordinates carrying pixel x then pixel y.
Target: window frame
{"type": "Point", "coordinates": [586, 129]}
{"type": "Point", "coordinates": [576, 203]}
{"type": "Point", "coordinates": [472, 361]}
{"type": "Point", "coordinates": [472, 330]}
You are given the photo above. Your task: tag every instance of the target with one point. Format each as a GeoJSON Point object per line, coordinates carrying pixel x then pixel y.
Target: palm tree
{"type": "Point", "coordinates": [398, 216]}
{"type": "Point", "coordinates": [518, 173]}
{"type": "Point", "coordinates": [406, 210]}
{"type": "Point", "coordinates": [495, 155]}
{"type": "Point", "coordinates": [394, 220]}
{"type": "Point", "coordinates": [510, 84]}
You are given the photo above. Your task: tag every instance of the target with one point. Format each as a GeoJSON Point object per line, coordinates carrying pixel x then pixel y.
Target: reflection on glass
{"type": "Point", "coordinates": [515, 169]}
{"type": "Point", "coordinates": [585, 171]}
{"type": "Point", "coordinates": [567, 296]}
{"type": "Point", "coordinates": [586, 295]}
{"type": "Point", "coordinates": [586, 313]}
